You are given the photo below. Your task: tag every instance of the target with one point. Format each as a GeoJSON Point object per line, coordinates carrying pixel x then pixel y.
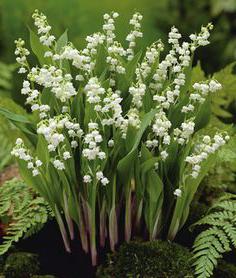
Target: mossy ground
{"type": "Point", "coordinates": [158, 259]}
{"type": "Point", "coordinates": [21, 265]}
{"type": "Point", "coordinates": [148, 260]}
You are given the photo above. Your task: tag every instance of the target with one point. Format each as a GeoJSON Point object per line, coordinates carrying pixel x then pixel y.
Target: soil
{"type": "Point", "coordinates": [54, 260]}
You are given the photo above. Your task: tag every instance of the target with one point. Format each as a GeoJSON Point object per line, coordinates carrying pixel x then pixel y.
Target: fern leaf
{"type": "Point", "coordinates": [28, 213]}
{"type": "Point", "coordinates": [211, 244]}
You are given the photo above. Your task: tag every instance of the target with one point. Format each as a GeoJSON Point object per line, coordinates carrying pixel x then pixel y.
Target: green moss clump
{"type": "Point", "coordinates": [21, 265]}
{"type": "Point", "coordinates": [155, 259]}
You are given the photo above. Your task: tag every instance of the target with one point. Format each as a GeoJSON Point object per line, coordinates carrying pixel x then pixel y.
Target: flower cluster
{"type": "Point", "coordinates": [21, 152]}
{"type": "Point", "coordinates": [53, 131]}
{"type": "Point", "coordinates": [151, 57]}
{"type": "Point", "coordinates": [91, 140]}
{"type": "Point", "coordinates": [202, 37]}
{"type": "Point", "coordinates": [137, 93]}
{"type": "Point", "coordinates": [203, 150]}
{"type": "Point", "coordinates": [135, 33]}
{"type": "Point", "coordinates": [34, 100]}
{"type": "Point", "coordinates": [53, 78]}
{"type": "Point", "coordinates": [92, 152]}
{"type": "Point", "coordinates": [201, 91]}
{"type": "Point", "coordinates": [94, 92]}
{"type": "Point", "coordinates": [183, 133]}
{"type": "Point", "coordinates": [21, 52]}
{"type": "Point", "coordinates": [40, 21]}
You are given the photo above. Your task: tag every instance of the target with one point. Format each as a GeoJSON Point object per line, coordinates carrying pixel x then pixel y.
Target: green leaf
{"type": "Point", "coordinates": [126, 163]}
{"type": "Point", "coordinates": [14, 117]}
{"type": "Point", "coordinates": [203, 115]}
{"type": "Point", "coordinates": [39, 49]}
{"type": "Point", "coordinates": [42, 151]}
{"type": "Point", "coordinates": [100, 64]}
{"type": "Point", "coordinates": [153, 202]}
{"type": "Point", "coordinates": [22, 123]}
{"type": "Point", "coordinates": [62, 42]}
{"type": "Point", "coordinates": [125, 80]}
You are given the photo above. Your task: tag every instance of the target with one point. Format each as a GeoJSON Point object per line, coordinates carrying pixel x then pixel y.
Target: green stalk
{"type": "Point", "coordinates": [92, 224]}
{"type": "Point", "coordinates": [156, 226]}
{"type": "Point", "coordinates": [82, 228]}
{"type": "Point", "coordinates": [103, 224]}
{"type": "Point", "coordinates": [139, 215]}
{"type": "Point", "coordinates": [113, 228]}
{"type": "Point", "coordinates": [62, 229]}
{"type": "Point", "coordinates": [67, 216]}
{"type": "Point", "coordinates": [128, 213]}
{"type": "Point", "coordinates": [174, 227]}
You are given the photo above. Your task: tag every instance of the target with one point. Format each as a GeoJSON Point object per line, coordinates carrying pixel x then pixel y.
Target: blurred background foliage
{"type": "Point", "coordinates": [83, 17]}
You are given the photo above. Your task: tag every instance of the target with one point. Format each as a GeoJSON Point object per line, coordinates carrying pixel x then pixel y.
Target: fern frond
{"type": "Point", "coordinates": [27, 212]}
{"type": "Point", "coordinates": [211, 244]}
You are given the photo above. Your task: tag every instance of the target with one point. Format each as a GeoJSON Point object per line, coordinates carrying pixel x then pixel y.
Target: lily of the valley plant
{"type": "Point", "coordinates": [112, 145]}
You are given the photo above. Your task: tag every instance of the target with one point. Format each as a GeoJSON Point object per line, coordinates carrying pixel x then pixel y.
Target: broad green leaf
{"type": "Point", "coordinates": [125, 80]}
{"type": "Point", "coordinates": [42, 150]}
{"type": "Point", "coordinates": [62, 42]}
{"type": "Point", "coordinates": [38, 49]}
{"type": "Point", "coordinates": [126, 163]}
{"type": "Point", "coordinates": [153, 201]}
{"type": "Point", "coordinates": [203, 115]}
{"type": "Point", "coordinates": [22, 123]}
{"type": "Point", "coordinates": [100, 64]}
{"type": "Point", "coordinates": [14, 117]}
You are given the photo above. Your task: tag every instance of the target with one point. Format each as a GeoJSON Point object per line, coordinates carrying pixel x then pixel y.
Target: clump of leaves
{"type": "Point", "coordinates": [23, 212]}
{"type": "Point", "coordinates": [114, 132]}
{"type": "Point", "coordinates": [218, 238]}
{"type": "Point", "coordinates": [227, 95]}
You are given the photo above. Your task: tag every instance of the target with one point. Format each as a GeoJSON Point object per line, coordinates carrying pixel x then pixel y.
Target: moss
{"type": "Point", "coordinates": [21, 265]}
{"type": "Point", "coordinates": [225, 270]}
{"type": "Point", "coordinates": [156, 259]}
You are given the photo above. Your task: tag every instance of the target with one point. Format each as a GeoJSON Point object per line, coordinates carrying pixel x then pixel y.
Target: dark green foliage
{"type": "Point", "coordinates": [155, 259]}
{"type": "Point", "coordinates": [1, 264]}
{"type": "Point", "coordinates": [159, 17]}
{"type": "Point", "coordinates": [26, 213]}
{"type": "Point", "coordinates": [212, 243]}
{"type": "Point", "coordinates": [221, 100]}
{"type": "Point", "coordinates": [197, 211]}
{"type": "Point", "coordinates": [21, 265]}
{"type": "Point", "coordinates": [225, 270]}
